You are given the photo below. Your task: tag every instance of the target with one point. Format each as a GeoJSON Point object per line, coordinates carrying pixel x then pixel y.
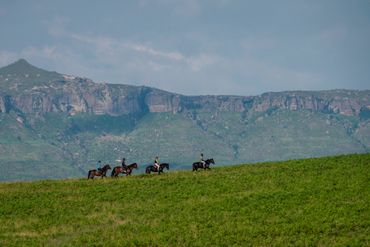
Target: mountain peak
{"type": "Point", "coordinates": [20, 66]}
{"type": "Point", "coordinates": [22, 61]}
{"type": "Point", "coordinates": [22, 72]}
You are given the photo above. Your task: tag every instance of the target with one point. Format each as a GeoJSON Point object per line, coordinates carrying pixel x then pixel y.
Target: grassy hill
{"type": "Point", "coordinates": [322, 201]}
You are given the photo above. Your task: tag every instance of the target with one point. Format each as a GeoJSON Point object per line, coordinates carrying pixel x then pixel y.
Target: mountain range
{"type": "Point", "coordinates": [54, 125]}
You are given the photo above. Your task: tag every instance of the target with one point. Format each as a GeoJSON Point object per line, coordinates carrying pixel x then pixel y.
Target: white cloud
{"type": "Point", "coordinates": [148, 50]}
{"type": "Point", "coordinates": [196, 63]}
{"type": "Point", "coordinates": [112, 46]}
{"type": "Point", "coordinates": [105, 58]}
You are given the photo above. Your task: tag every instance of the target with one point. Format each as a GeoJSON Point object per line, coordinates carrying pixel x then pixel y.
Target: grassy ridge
{"type": "Point", "coordinates": [322, 201]}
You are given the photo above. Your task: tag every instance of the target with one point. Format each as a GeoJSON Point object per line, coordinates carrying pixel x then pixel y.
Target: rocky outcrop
{"type": "Point", "coordinates": [42, 91]}
{"type": "Point", "coordinates": [345, 102]}
{"type": "Point", "coordinates": [86, 96]}
{"type": "Point", "coordinates": [5, 104]}
{"type": "Point", "coordinates": [160, 101]}
{"type": "Point", "coordinates": [2, 105]}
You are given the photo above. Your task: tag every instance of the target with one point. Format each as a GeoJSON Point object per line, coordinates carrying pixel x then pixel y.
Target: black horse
{"type": "Point", "coordinates": [152, 168]}
{"type": "Point", "coordinates": [199, 165]}
{"type": "Point", "coordinates": [125, 169]}
{"type": "Point", "coordinates": [102, 172]}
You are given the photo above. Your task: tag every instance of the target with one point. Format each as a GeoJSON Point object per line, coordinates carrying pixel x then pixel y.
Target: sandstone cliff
{"type": "Point", "coordinates": [37, 91]}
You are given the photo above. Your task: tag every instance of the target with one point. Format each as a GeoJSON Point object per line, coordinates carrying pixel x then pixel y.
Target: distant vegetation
{"type": "Point", "coordinates": [60, 146]}
{"type": "Point", "coordinates": [58, 126]}
{"type": "Point", "coordinates": [311, 202]}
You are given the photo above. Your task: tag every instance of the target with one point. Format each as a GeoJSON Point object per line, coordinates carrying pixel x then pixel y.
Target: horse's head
{"type": "Point", "coordinates": [132, 166]}
{"type": "Point", "coordinates": [210, 161]}
{"type": "Point", "coordinates": [166, 165]}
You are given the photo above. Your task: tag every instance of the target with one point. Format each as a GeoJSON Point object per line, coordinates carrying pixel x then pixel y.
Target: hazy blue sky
{"type": "Point", "coordinates": [193, 46]}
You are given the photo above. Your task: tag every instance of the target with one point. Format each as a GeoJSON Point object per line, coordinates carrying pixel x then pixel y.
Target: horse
{"type": "Point", "coordinates": [125, 169]}
{"type": "Point", "coordinates": [102, 173]}
{"type": "Point", "coordinates": [198, 165]}
{"type": "Point", "coordinates": [152, 168]}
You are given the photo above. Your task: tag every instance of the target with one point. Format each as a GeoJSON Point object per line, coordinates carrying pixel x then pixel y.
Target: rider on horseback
{"type": "Point", "coordinates": [124, 166]}
{"type": "Point", "coordinates": [98, 166]}
{"type": "Point", "coordinates": [202, 160]}
{"type": "Point", "coordinates": [123, 163]}
{"type": "Point", "coordinates": [156, 163]}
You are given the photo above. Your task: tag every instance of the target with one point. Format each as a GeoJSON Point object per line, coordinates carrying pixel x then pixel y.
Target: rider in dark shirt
{"type": "Point", "coordinates": [98, 166]}
{"type": "Point", "coordinates": [123, 163]}
{"type": "Point", "coordinates": [124, 166]}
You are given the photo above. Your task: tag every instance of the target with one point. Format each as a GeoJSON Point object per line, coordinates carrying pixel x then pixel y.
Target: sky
{"type": "Point", "coordinates": [195, 47]}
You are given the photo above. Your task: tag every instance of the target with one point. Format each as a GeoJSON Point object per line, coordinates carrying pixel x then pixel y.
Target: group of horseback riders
{"type": "Point", "coordinates": [156, 167]}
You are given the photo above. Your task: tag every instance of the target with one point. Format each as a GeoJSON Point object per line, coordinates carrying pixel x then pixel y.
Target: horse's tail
{"type": "Point", "coordinates": [113, 172]}
{"type": "Point", "coordinates": [147, 170]}
{"type": "Point", "coordinates": [88, 174]}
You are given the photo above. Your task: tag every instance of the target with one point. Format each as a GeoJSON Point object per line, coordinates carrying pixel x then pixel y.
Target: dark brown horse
{"type": "Point", "coordinates": [102, 172]}
{"type": "Point", "coordinates": [123, 169]}
{"type": "Point", "coordinates": [152, 168]}
{"type": "Point", "coordinates": [199, 165]}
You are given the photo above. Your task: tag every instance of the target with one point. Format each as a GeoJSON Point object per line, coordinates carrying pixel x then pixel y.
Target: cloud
{"type": "Point", "coordinates": [207, 70]}
{"type": "Point", "coordinates": [131, 63]}
{"type": "Point", "coordinates": [197, 63]}
{"type": "Point", "coordinates": [110, 45]}
{"type": "Point", "coordinates": [148, 50]}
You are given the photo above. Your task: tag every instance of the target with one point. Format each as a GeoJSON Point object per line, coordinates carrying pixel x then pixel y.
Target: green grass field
{"type": "Point", "coordinates": [311, 202]}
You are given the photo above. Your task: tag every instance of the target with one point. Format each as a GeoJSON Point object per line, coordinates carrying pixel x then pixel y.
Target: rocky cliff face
{"type": "Point", "coordinates": [52, 92]}
{"type": "Point", "coordinates": [345, 102]}
{"type": "Point", "coordinates": [74, 97]}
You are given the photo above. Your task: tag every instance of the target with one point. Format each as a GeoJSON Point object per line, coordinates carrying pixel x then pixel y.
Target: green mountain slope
{"type": "Point", "coordinates": [58, 145]}
{"type": "Point", "coordinates": [323, 201]}
{"type": "Point", "coordinates": [54, 125]}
